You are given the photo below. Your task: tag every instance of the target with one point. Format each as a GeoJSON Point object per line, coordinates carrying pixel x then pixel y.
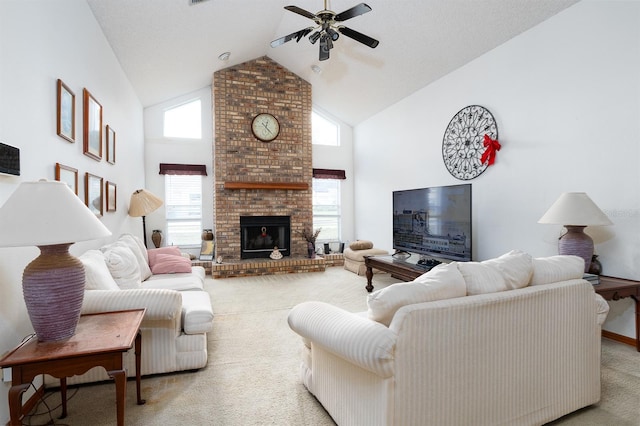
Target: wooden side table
{"type": "Point", "coordinates": [611, 288]}
{"type": "Point", "coordinates": [100, 340]}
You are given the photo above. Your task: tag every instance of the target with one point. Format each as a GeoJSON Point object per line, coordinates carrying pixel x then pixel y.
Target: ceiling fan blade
{"type": "Point", "coordinates": [356, 10]}
{"type": "Point", "coordinates": [300, 11]}
{"type": "Point", "coordinates": [364, 39]}
{"type": "Point", "coordinates": [297, 35]}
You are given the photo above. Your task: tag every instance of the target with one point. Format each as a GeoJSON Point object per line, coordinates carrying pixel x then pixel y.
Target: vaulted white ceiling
{"type": "Point", "coordinates": [169, 48]}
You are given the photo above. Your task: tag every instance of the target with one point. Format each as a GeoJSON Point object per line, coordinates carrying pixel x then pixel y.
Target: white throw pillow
{"type": "Point", "coordinates": [140, 251]}
{"type": "Point", "coordinates": [556, 268]}
{"type": "Point", "coordinates": [123, 266]}
{"type": "Point", "coordinates": [508, 272]}
{"type": "Point", "coordinates": [97, 275]}
{"type": "Point", "coordinates": [442, 282]}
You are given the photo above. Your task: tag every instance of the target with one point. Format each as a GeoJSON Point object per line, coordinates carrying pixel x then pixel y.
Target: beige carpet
{"type": "Point", "coordinates": [252, 374]}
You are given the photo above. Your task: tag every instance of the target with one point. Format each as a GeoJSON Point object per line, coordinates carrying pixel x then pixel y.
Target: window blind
{"type": "Point", "coordinates": [183, 169]}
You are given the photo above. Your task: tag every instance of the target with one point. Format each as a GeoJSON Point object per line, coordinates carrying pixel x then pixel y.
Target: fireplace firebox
{"type": "Point", "coordinates": [259, 235]}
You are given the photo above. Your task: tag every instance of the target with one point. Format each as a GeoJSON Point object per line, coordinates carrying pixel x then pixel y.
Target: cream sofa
{"type": "Point", "coordinates": [178, 313]}
{"type": "Point", "coordinates": [509, 341]}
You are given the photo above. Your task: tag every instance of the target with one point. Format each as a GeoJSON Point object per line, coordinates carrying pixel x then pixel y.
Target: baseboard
{"type": "Point", "coordinates": [619, 338]}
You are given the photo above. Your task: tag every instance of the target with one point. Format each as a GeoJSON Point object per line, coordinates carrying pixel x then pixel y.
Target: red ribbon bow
{"type": "Point", "coordinates": [490, 153]}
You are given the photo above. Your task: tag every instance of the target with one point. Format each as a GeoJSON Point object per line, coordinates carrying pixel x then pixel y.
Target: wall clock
{"type": "Point", "coordinates": [463, 141]}
{"type": "Point", "coordinates": [265, 127]}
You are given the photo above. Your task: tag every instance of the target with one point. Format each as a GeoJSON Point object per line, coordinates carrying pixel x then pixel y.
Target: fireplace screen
{"type": "Point", "coordinates": [261, 234]}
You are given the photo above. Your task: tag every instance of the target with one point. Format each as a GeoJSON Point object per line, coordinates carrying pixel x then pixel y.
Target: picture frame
{"type": "Point", "coordinates": [94, 193]}
{"type": "Point", "coordinates": [66, 112]}
{"type": "Point", "coordinates": [111, 145]}
{"type": "Point", "coordinates": [68, 175]}
{"type": "Point", "coordinates": [112, 192]}
{"type": "Point", "coordinates": [92, 126]}
{"type": "Point", "coordinates": [206, 250]}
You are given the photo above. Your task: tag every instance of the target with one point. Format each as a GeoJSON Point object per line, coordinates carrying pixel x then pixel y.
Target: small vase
{"type": "Point", "coordinates": [311, 249]}
{"type": "Point", "coordinates": [207, 235]}
{"type": "Point", "coordinates": [596, 266]}
{"type": "Point", "coordinates": [156, 237]}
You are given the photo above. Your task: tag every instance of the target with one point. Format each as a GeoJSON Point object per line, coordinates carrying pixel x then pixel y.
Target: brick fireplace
{"type": "Point", "coordinates": [254, 178]}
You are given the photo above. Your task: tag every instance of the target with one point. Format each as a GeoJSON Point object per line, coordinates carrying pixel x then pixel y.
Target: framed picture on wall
{"type": "Point", "coordinates": [68, 175]}
{"type": "Point", "coordinates": [66, 112]}
{"type": "Point", "coordinates": [112, 191]}
{"type": "Point", "coordinates": [92, 126]}
{"type": "Point", "coordinates": [111, 145]}
{"type": "Point", "coordinates": [93, 193]}
{"type": "Point", "coordinates": [206, 250]}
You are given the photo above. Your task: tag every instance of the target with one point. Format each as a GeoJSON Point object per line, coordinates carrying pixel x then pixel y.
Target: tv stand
{"type": "Point", "coordinates": [401, 269]}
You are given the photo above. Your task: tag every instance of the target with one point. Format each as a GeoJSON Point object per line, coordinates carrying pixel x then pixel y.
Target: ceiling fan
{"type": "Point", "coordinates": [326, 29]}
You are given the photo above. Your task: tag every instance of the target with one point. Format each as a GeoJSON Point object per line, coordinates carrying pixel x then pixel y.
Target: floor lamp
{"type": "Point", "coordinates": [48, 214]}
{"type": "Point", "coordinates": [576, 211]}
{"type": "Point", "coordinates": [142, 203]}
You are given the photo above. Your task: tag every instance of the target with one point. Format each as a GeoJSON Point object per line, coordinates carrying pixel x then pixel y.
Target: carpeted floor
{"type": "Point", "coordinates": [252, 374]}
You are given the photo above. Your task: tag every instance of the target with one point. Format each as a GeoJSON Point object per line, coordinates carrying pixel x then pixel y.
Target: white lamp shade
{"type": "Point", "coordinates": [45, 213]}
{"type": "Point", "coordinates": [577, 209]}
{"type": "Point", "coordinates": [143, 202]}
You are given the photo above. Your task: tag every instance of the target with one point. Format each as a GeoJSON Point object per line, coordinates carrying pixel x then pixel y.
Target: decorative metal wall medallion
{"type": "Point", "coordinates": [462, 144]}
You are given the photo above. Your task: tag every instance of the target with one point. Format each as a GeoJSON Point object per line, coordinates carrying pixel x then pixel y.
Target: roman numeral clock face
{"type": "Point", "coordinates": [462, 144]}
{"type": "Point", "coordinates": [265, 127]}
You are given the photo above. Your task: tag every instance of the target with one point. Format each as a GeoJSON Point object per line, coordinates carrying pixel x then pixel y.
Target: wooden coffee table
{"type": "Point", "coordinates": [100, 340]}
{"type": "Point", "coordinates": [401, 269]}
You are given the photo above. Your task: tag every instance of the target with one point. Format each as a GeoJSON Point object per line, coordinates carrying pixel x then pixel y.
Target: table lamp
{"type": "Point", "coordinates": [576, 211]}
{"type": "Point", "coordinates": [48, 214]}
{"type": "Point", "coordinates": [141, 204]}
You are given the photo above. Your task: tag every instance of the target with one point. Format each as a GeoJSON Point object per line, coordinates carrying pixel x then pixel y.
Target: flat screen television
{"type": "Point", "coordinates": [435, 222]}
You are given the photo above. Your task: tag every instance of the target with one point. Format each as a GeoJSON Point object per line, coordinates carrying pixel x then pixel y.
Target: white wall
{"type": "Point", "coordinates": [159, 149]}
{"type": "Point", "coordinates": [566, 97]}
{"type": "Point", "coordinates": [41, 41]}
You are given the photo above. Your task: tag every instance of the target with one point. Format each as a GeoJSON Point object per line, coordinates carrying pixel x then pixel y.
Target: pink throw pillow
{"type": "Point", "coordinates": [170, 264]}
{"type": "Point", "coordinates": [153, 253]}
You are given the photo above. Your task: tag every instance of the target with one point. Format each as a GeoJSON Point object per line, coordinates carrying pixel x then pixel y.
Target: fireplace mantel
{"type": "Point", "coordinates": [267, 185]}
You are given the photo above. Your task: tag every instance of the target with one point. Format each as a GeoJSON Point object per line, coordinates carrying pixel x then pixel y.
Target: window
{"type": "Point", "coordinates": [183, 201]}
{"type": "Point", "coordinates": [184, 121]}
{"type": "Point", "coordinates": [324, 131]}
{"type": "Point", "coordinates": [326, 208]}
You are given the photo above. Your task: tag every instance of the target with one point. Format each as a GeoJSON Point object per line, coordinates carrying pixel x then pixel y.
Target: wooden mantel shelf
{"type": "Point", "coordinates": [266, 185]}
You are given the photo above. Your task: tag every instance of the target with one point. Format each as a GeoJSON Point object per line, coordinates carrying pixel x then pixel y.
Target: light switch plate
{"type": "Point", "coordinates": [6, 374]}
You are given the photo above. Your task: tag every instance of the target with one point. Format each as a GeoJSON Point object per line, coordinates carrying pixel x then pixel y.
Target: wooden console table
{"type": "Point", "coordinates": [401, 269]}
{"type": "Point", "coordinates": [618, 288]}
{"type": "Point", "coordinates": [100, 340]}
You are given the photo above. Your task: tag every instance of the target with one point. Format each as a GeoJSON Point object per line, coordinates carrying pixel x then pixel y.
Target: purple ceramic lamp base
{"type": "Point", "coordinates": [53, 288]}
{"type": "Point", "coordinates": [576, 242]}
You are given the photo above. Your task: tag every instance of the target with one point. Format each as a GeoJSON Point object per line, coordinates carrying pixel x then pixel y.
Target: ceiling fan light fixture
{"type": "Point", "coordinates": [333, 34]}
{"type": "Point", "coordinates": [314, 37]}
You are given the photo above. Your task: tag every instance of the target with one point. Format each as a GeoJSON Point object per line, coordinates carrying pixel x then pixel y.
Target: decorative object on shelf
{"type": "Point", "coordinates": [206, 250]}
{"type": "Point", "coordinates": [207, 235]}
{"type": "Point", "coordinates": [327, 249]}
{"type": "Point", "coordinates": [219, 259]}
{"type": "Point", "coordinates": [275, 254]}
{"type": "Point", "coordinates": [53, 283]}
{"type": "Point", "coordinates": [141, 204]}
{"type": "Point", "coordinates": [310, 238]}
{"type": "Point", "coordinates": [66, 110]}
{"type": "Point", "coordinates": [111, 145]}
{"type": "Point", "coordinates": [93, 193]}
{"type": "Point", "coordinates": [576, 211]}
{"type": "Point", "coordinates": [68, 175]}
{"type": "Point", "coordinates": [470, 142]}
{"type": "Point", "coordinates": [92, 126]}
{"type": "Point", "coordinates": [265, 127]}
{"type": "Point", "coordinates": [112, 192]}
{"type": "Point", "coordinates": [156, 237]}
{"type": "Point", "coordinates": [596, 266]}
